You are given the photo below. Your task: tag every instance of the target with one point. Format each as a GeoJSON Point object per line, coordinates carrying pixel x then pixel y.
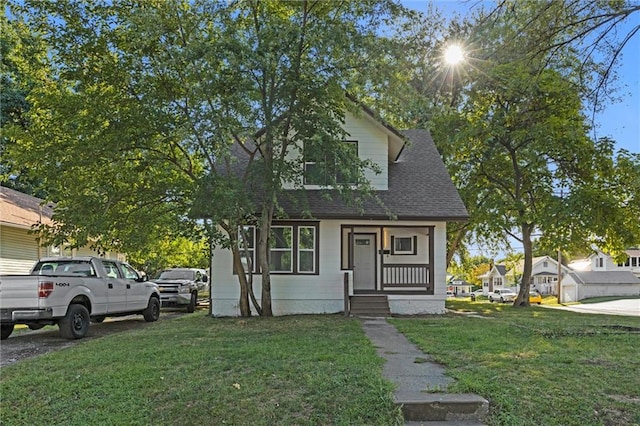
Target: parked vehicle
{"type": "Point", "coordinates": [450, 294]}
{"type": "Point", "coordinates": [180, 286]}
{"type": "Point", "coordinates": [535, 297]}
{"type": "Point", "coordinates": [74, 291]}
{"type": "Point", "coordinates": [502, 295]}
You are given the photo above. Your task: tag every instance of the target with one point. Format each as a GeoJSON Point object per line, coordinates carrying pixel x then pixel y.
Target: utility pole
{"type": "Point", "coordinates": [559, 275]}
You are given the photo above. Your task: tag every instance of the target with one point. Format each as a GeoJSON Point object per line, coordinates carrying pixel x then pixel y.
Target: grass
{"type": "Point", "coordinates": [302, 370]}
{"type": "Point", "coordinates": [537, 366]}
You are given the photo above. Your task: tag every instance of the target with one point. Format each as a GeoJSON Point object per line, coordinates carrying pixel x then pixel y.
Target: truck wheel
{"type": "Point", "coordinates": [191, 307]}
{"type": "Point", "coordinates": [6, 329]}
{"type": "Point", "coordinates": [98, 319]}
{"type": "Point", "coordinates": [75, 324]}
{"type": "Point", "coordinates": [152, 313]}
{"type": "Point", "coordinates": [35, 326]}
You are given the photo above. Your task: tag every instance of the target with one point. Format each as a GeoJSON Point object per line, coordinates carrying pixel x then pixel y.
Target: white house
{"type": "Point", "coordinates": [394, 251]}
{"type": "Point", "coordinates": [494, 279]}
{"type": "Point", "coordinates": [19, 247]}
{"type": "Point", "coordinates": [600, 261]}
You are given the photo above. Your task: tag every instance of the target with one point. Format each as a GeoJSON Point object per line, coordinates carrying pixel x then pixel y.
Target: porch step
{"type": "Point", "coordinates": [442, 407]}
{"type": "Point", "coordinates": [377, 305]}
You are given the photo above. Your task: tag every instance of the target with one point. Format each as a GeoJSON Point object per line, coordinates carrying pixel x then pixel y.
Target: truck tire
{"type": "Point", "coordinates": [75, 323]}
{"type": "Point", "coordinates": [152, 312]}
{"type": "Point", "coordinates": [6, 330]}
{"type": "Point", "coordinates": [191, 307]}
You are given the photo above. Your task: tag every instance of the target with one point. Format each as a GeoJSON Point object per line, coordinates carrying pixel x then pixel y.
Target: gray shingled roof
{"type": "Point", "coordinates": [605, 277]}
{"type": "Point", "coordinates": [420, 188]}
{"type": "Point", "coordinates": [502, 269]}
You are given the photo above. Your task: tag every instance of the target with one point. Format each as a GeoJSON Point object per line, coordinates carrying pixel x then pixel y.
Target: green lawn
{"type": "Point", "coordinates": [197, 370]}
{"type": "Point", "coordinates": [537, 366]}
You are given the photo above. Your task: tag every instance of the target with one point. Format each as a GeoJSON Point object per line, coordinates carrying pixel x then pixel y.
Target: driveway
{"type": "Point", "coordinates": [26, 343]}
{"type": "Point", "coordinates": [626, 307]}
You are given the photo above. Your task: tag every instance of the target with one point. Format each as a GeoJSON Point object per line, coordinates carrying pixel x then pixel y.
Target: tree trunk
{"type": "Point", "coordinates": [263, 254]}
{"type": "Point", "coordinates": [525, 283]}
{"type": "Point", "coordinates": [245, 310]}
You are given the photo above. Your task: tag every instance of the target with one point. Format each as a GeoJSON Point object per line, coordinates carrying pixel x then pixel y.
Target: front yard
{"type": "Point", "coordinates": [536, 366]}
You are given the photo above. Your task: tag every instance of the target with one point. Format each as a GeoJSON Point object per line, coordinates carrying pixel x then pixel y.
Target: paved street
{"type": "Point", "coordinates": [626, 307]}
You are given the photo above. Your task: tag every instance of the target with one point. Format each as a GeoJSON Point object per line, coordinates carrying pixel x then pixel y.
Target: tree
{"type": "Point", "coordinates": [150, 109]}
{"type": "Point", "coordinates": [514, 136]}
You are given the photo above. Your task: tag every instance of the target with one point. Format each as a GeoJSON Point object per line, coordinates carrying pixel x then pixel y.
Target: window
{"type": "Point", "coordinates": [320, 168]}
{"type": "Point", "coordinates": [404, 245]}
{"type": "Point", "coordinates": [634, 261]}
{"type": "Point", "coordinates": [599, 262]}
{"type": "Point", "coordinates": [129, 272]}
{"type": "Point", "coordinates": [545, 264]}
{"type": "Point", "coordinates": [306, 249]}
{"type": "Point", "coordinates": [247, 246]}
{"type": "Point", "coordinates": [111, 269]}
{"type": "Point", "coordinates": [281, 249]}
{"type": "Point", "coordinates": [293, 248]}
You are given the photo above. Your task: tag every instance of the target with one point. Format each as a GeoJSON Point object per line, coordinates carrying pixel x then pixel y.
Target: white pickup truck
{"type": "Point", "coordinates": [72, 292]}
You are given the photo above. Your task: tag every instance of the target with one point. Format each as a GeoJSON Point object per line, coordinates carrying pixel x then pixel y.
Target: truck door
{"type": "Point", "coordinates": [136, 291]}
{"type": "Point", "coordinates": [116, 287]}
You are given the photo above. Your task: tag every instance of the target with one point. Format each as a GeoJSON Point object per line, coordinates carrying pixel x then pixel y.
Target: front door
{"type": "Point", "coordinates": [364, 261]}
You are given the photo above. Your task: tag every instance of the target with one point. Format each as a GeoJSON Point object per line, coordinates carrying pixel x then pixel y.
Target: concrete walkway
{"type": "Point", "coordinates": [421, 383]}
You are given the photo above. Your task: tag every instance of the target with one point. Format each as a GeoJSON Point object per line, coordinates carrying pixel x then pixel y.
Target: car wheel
{"type": "Point", "coordinates": [75, 323]}
{"type": "Point", "coordinates": [191, 307]}
{"type": "Point", "coordinates": [98, 319]}
{"type": "Point", "coordinates": [152, 312]}
{"type": "Point", "coordinates": [5, 331]}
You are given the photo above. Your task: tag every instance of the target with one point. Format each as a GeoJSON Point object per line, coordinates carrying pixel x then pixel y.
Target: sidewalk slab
{"type": "Point", "coordinates": [421, 383]}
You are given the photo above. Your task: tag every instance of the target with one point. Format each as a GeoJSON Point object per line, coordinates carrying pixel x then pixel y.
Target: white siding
{"type": "Point", "coordinates": [372, 145]}
{"type": "Point", "coordinates": [18, 250]}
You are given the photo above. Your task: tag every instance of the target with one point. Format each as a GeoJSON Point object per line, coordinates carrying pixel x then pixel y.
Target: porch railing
{"type": "Point", "coordinates": [401, 276]}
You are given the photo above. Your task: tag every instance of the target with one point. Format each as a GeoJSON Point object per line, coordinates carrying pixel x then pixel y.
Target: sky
{"type": "Point", "coordinates": [621, 120]}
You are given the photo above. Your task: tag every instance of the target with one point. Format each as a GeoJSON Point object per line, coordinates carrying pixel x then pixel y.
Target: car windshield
{"type": "Point", "coordinates": [176, 274]}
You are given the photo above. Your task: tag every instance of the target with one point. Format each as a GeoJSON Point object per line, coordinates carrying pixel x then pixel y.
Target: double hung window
{"type": "Point", "coordinates": [293, 248]}
{"type": "Point", "coordinates": [324, 168]}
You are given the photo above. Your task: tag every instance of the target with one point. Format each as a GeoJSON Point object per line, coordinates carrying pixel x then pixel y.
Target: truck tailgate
{"type": "Point", "coordinates": [19, 291]}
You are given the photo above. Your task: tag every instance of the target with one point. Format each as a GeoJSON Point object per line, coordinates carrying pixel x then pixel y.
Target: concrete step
{"type": "Point", "coordinates": [369, 305]}
{"type": "Point", "coordinates": [430, 407]}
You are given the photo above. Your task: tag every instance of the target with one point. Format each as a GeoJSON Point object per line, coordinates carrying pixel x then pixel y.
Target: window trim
{"type": "Point", "coordinates": [295, 247]}
{"type": "Point", "coordinates": [306, 250]}
{"type": "Point", "coordinates": [414, 246]}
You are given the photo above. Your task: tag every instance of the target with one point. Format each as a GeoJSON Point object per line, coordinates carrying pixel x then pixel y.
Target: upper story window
{"type": "Point", "coordinates": [599, 262]}
{"type": "Point", "coordinates": [321, 168]}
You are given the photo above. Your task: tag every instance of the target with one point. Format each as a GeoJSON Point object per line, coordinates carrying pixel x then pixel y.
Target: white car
{"type": "Point", "coordinates": [502, 295]}
{"type": "Point", "coordinates": [475, 294]}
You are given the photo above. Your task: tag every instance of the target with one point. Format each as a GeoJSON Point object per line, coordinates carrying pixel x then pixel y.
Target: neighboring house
{"type": "Point", "coordinates": [544, 276]}
{"type": "Point", "coordinates": [394, 251]}
{"type": "Point", "coordinates": [578, 285]}
{"type": "Point", "coordinates": [600, 261]}
{"type": "Point", "coordinates": [19, 248]}
{"type": "Point", "coordinates": [494, 279]}
{"type": "Point", "coordinates": [459, 286]}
